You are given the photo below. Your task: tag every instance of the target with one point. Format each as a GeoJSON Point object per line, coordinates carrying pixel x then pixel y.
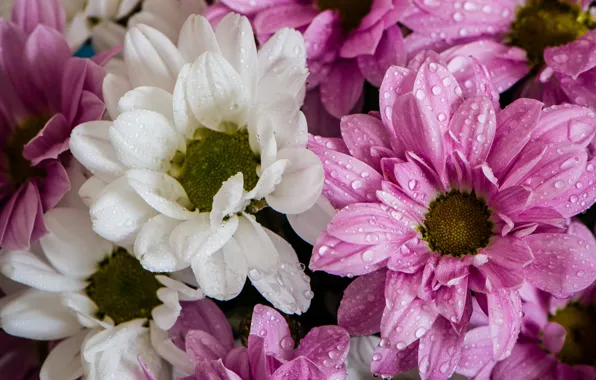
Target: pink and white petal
{"type": "Point", "coordinates": [527, 361]}
{"type": "Point", "coordinates": [389, 362]}
{"type": "Point", "coordinates": [362, 305]}
{"type": "Point", "coordinates": [515, 126]}
{"type": "Point", "coordinates": [311, 223]}
{"type": "Point", "coordinates": [439, 350]}
{"type": "Point", "coordinates": [563, 263]}
{"type": "Point", "coordinates": [323, 345]}
{"type": "Point", "coordinates": [573, 58]}
{"type": "Point", "coordinates": [390, 51]}
{"type": "Point", "coordinates": [504, 318]}
{"type": "Point", "coordinates": [201, 345]}
{"type": "Point", "coordinates": [476, 352]}
{"type": "Point", "coordinates": [299, 368]}
{"type": "Point", "coordinates": [342, 88]}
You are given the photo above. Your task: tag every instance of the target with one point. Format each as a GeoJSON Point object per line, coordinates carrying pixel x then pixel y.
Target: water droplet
{"type": "Point", "coordinates": [400, 345]}
{"type": "Point", "coordinates": [441, 117]}
{"type": "Point", "coordinates": [263, 332]}
{"type": "Point", "coordinates": [308, 294]}
{"type": "Point", "coordinates": [287, 343]}
{"type": "Point", "coordinates": [436, 90]}
{"type": "Point", "coordinates": [356, 185]}
{"type": "Point", "coordinates": [421, 331]}
{"type": "Point", "coordinates": [323, 249]}
{"type": "Point", "coordinates": [413, 184]}
{"type": "Point", "coordinates": [367, 256]}
{"type": "Point", "coordinates": [559, 184]}
{"type": "Point", "coordinates": [376, 357]}
{"type": "Point", "coordinates": [420, 95]}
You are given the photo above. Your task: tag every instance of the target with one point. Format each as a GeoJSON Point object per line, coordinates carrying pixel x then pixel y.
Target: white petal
{"type": "Point", "coordinates": [152, 246]}
{"type": "Point", "coordinates": [197, 237]}
{"type": "Point", "coordinates": [77, 175]}
{"type": "Point", "coordinates": [126, 6]}
{"type": "Point", "coordinates": [270, 178]}
{"type": "Point", "coordinates": [26, 268]}
{"type": "Point", "coordinates": [151, 58]}
{"type": "Point", "coordinates": [90, 144]}
{"type": "Point", "coordinates": [165, 315]}
{"type": "Point", "coordinates": [222, 274]}
{"type": "Point", "coordinates": [147, 98]}
{"type": "Point", "coordinates": [102, 8]}
{"type": "Point", "coordinates": [163, 20]}
{"type": "Point", "coordinates": [145, 140]}
{"type": "Point", "coordinates": [64, 360]}
{"type": "Point", "coordinates": [163, 345]}
{"type": "Point", "coordinates": [90, 189]}
{"type": "Point", "coordinates": [77, 32]}
{"type": "Point", "coordinates": [38, 315]}
{"type": "Point", "coordinates": [185, 293]}
{"type": "Point", "coordinates": [85, 309]}
{"type": "Point", "coordinates": [184, 120]}
{"type": "Point", "coordinates": [118, 212]}
{"type": "Point", "coordinates": [161, 192]}
{"type": "Point", "coordinates": [258, 249]}
{"type": "Point", "coordinates": [284, 117]}
{"type": "Point", "coordinates": [196, 37]}
{"type": "Point", "coordinates": [309, 224]}
{"type": "Point", "coordinates": [115, 353]}
{"type": "Point", "coordinates": [262, 141]}
{"type": "Point", "coordinates": [282, 66]}
{"type": "Point", "coordinates": [228, 199]}
{"type": "Point", "coordinates": [71, 245]}
{"type": "Point", "coordinates": [216, 93]}
{"type": "Point", "coordinates": [360, 356]}
{"type": "Point", "coordinates": [237, 43]}
{"type": "Point", "coordinates": [114, 88]}
{"type": "Point", "coordinates": [288, 288]}
{"type": "Point", "coordinates": [301, 184]}
{"type": "Point", "coordinates": [106, 35]}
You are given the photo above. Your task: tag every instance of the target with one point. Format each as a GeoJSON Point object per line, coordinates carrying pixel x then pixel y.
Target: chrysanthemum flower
{"type": "Point", "coordinates": [347, 42]}
{"type": "Point", "coordinates": [443, 195]}
{"type": "Point", "coordinates": [187, 171]}
{"type": "Point", "coordinates": [552, 39]}
{"type": "Point", "coordinates": [95, 295]}
{"type": "Point", "coordinates": [271, 352]}
{"type": "Point", "coordinates": [45, 92]}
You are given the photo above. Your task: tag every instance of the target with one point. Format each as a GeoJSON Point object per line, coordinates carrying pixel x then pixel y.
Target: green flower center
{"type": "Point", "coordinates": [122, 289]}
{"type": "Point", "coordinates": [457, 224]}
{"type": "Point", "coordinates": [351, 11]}
{"type": "Point", "coordinates": [18, 167]}
{"type": "Point", "coordinates": [578, 321]}
{"type": "Point", "coordinates": [211, 159]}
{"type": "Point", "coordinates": [543, 23]}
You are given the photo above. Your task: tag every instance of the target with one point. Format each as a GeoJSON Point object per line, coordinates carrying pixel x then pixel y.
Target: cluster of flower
{"type": "Point", "coordinates": [438, 157]}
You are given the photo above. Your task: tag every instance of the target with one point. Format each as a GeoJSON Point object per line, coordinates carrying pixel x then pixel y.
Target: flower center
{"type": "Point", "coordinates": [543, 23]}
{"type": "Point", "coordinates": [457, 224]}
{"type": "Point", "coordinates": [18, 167]}
{"type": "Point", "coordinates": [211, 159]}
{"type": "Point", "coordinates": [351, 11]}
{"type": "Point", "coordinates": [122, 289]}
{"type": "Point", "coordinates": [578, 321]}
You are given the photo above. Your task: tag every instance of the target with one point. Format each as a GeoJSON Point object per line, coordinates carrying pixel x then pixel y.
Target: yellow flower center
{"type": "Point", "coordinates": [578, 321]}
{"type": "Point", "coordinates": [19, 168]}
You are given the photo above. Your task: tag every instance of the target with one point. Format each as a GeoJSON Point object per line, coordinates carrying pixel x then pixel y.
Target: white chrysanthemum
{"type": "Point", "coordinates": [205, 135]}
{"type": "Point", "coordinates": [103, 20]}
{"type": "Point", "coordinates": [94, 295]}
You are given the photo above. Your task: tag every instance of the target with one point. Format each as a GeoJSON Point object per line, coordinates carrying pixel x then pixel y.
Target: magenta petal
{"type": "Point", "coordinates": [368, 224]}
{"type": "Point", "coordinates": [476, 352]}
{"type": "Point", "coordinates": [362, 42]}
{"type": "Point", "coordinates": [527, 361]}
{"type": "Point", "coordinates": [553, 337]}
{"type": "Point", "coordinates": [50, 142]}
{"type": "Point", "coordinates": [213, 370]}
{"type": "Point", "coordinates": [361, 133]}
{"type": "Point", "coordinates": [512, 134]}
{"type": "Point", "coordinates": [342, 89]}
{"type": "Point", "coordinates": [504, 318]}
{"type": "Point", "coordinates": [327, 347]}
{"type": "Point", "coordinates": [75, 72]}
{"type": "Point", "coordinates": [55, 185]}
{"type": "Point", "coordinates": [575, 57]}
{"type": "Point", "coordinates": [268, 323]}
{"type": "Point", "coordinates": [292, 16]}
{"type": "Point", "coordinates": [30, 13]}
{"type": "Point", "coordinates": [261, 364]}
{"type": "Point", "coordinates": [203, 346]}
{"type": "Point", "coordinates": [320, 122]}
{"type": "Point", "coordinates": [237, 361]}
{"type": "Point", "coordinates": [323, 35]}
{"type": "Point", "coordinates": [390, 51]}
{"type": "Point", "coordinates": [451, 300]}
{"type": "Point", "coordinates": [362, 305]}
{"type": "Point", "coordinates": [563, 263]}
{"type": "Point", "coordinates": [21, 218]}
{"type": "Point", "coordinates": [389, 362]}
{"type": "Point", "coordinates": [535, 317]}
{"type": "Point", "coordinates": [439, 351]}
{"type": "Point", "coordinates": [299, 368]}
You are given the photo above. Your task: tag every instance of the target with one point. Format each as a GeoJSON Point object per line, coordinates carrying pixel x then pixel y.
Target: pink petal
{"type": "Point", "coordinates": [579, 197]}
{"type": "Point", "coordinates": [213, 370]}
{"type": "Point", "coordinates": [580, 90]}
{"type": "Point", "coordinates": [361, 133]}
{"type": "Point", "coordinates": [347, 180]}
{"type": "Point", "coordinates": [504, 318]}
{"type": "Point", "coordinates": [410, 257]}
{"type": "Point", "coordinates": [482, 11]}
{"type": "Point", "coordinates": [553, 337]}
{"type": "Point", "coordinates": [90, 108]}
{"type": "Point", "coordinates": [473, 126]}
{"type": "Point", "coordinates": [237, 362]}
{"type": "Point", "coordinates": [514, 127]}
{"type": "Point", "coordinates": [368, 224]}
{"type": "Point", "coordinates": [21, 218]}
{"type": "Point", "coordinates": [563, 263]}
{"type": "Point", "coordinates": [323, 36]}
{"type": "Point", "coordinates": [388, 362]}
{"type": "Point", "coordinates": [570, 125]}
{"type": "Point", "coordinates": [203, 346]}
{"type": "Point", "coordinates": [509, 252]}
{"type": "Point", "coordinates": [378, 11]}
{"type": "Point", "coordinates": [451, 300]}
{"type": "Point", "coordinates": [342, 88]}
{"type": "Point", "coordinates": [320, 122]}
{"type": "Point", "coordinates": [55, 185]}
{"type": "Point", "coordinates": [439, 351]}
{"type": "Point", "coordinates": [75, 72]}
{"type": "Point", "coordinates": [261, 364]}
{"type": "Point", "coordinates": [497, 277]}
{"type": "Point", "coordinates": [526, 161]}
{"type": "Point", "coordinates": [451, 270]}
{"type": "Point", "coordinates": [511, 201]}
{"type": "Point", "coordinates": [535, 317]}
{"type": "Point", "coordinates": [272, 327]}
{"type": "Point", "coordinates": [250, 7]}
{"type": "Point", "coordinates": [392, 196]}
{"type": "Point", "coordinates": [406, 318]}
{"type": "Point", "coordinates": [397, 82]}
{"type": "Point", "coordinates": [415, 183]}
{"type": "Point", "coordinates": [362, 305]}
{"type": "Point", "coordinates": [327, 347]}
{"type": "Point", "coordinates": [390, 51]}
{"type": "Point", "coordinates": [299, 368]}
{"type": "Point", "coordinates": [50, 142]}
{"type": "Point", "coordinates": [575, 57]}
{"type": "Point", "coordinates": [362, 42]}
{"type": "Point", "coordinates": [476, 352]}
{"type": "Point", "coordinates": [276, 18]}
{"type": "Point", "coordinates": [527, 361]}
{"type": "Point", "coordinates": [30, 13]}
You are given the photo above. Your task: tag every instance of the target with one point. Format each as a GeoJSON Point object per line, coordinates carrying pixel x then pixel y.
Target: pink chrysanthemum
{"type": "Point", "coordinates": [556, 340]}
{"type": "Point", "coordinates": [552, 39]}
{"type": "Point", "coordinates": [442, 195]}
{"type": "Point", "coordinates": [347, 41]}
{"type": "Point", "coordinates": [44, 93]}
